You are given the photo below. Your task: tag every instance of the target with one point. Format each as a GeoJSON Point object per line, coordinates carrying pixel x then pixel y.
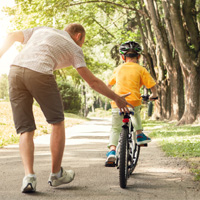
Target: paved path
{"type": "Point", "coordinates": [156, 176]}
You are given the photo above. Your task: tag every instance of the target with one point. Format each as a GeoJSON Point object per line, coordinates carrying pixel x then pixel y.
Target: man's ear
{"type": "Point", "coordinates": [123, 57]}
{"type": "Point", "coordinates": [77, 36]}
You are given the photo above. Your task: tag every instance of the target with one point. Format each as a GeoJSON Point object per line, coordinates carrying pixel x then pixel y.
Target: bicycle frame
{"type": "Point", "coordinates": [129, 152]}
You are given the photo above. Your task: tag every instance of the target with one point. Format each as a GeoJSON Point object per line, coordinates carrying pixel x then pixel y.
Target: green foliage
{"type": "Point", "coordinates": [70, 96]}
{"type": "Point", "coordinates": [12, 139]}
{"type": "Point", "coordinates": [105, 25]}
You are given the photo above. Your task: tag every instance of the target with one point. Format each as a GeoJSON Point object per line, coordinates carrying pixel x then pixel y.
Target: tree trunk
{"type": "Point", "coordinates": [177, 91]}
{"type": "Point", "coordinates": [84, 106]}
{"type": "Point", "coordinates": [157, 114]}
{"type": "Point", "coordinates": [198, 112]}
{"type": "Point", "coordinates": [189, 59]}
{"type": "Point", "coordinates": [147, 55]}
{"type": "Point", "coordinates": [163, 46]}
{"type": "Point", "coordinates": [165, 99]}
{"type": "Point", "coordinates": [191, 99]}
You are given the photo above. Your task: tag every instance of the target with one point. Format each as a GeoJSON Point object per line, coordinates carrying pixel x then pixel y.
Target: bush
{"type": "Point", "coordinates": [70, 96]}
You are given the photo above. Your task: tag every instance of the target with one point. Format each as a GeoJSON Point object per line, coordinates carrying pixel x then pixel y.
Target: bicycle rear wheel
{"type": "Point", "coordinates": [123, 158]}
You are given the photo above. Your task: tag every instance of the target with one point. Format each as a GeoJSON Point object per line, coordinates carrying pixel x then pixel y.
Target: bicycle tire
{"type": "Point", "coordinates": [123, 161]}
{"type": "Point", "coordinates": [136, 154]}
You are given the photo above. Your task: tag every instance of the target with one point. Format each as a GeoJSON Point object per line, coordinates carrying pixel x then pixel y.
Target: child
{"type": "Point", "coordinates": [129, 78]}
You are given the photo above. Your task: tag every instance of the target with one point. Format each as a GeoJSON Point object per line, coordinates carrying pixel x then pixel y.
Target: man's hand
{"type": "Point", "coordinates": [122, 103]}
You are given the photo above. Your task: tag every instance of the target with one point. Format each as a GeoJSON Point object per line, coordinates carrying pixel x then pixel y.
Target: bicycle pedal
{"type": "Point", "coordinates": [143, 145]}
{"type": "Point", "coordinates": [110, 164]}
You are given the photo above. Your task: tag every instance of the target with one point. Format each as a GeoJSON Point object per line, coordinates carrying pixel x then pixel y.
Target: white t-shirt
{"type": "Point", "coordinates": [48, 49]}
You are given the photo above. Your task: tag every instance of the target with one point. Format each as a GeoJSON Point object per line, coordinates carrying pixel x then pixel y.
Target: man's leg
{"type": "Point", "coordinates": [26, 146]}
{"type": "Point", "coordinates": [57, 145]}
{"type": "Point", "coordinates": [58, 176]}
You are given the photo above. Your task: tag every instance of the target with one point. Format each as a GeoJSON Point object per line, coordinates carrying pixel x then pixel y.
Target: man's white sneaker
{"type": "Point", "coordinates": [66, 177]}
{"type": "Point", "coordinates": [28, 184]}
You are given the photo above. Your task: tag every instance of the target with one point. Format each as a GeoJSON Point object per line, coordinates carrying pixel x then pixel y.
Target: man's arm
{"type": "Point", "coordinates": [101, 87]}
{"type": "Point", "coordinates": [109, 86]}
{"type": "Point", "coordinates": [11, 38]}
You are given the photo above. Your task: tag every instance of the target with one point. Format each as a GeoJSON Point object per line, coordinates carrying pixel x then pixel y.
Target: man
{"type": "Point", "coordinates": [31, 76]}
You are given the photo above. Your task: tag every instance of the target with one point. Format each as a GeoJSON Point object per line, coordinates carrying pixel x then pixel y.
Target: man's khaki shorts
{"type": "Point", "coordinates": [26, 85]}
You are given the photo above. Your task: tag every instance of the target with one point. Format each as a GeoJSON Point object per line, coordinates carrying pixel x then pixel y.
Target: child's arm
{"type": "Point", "coordinates": [154, 93]}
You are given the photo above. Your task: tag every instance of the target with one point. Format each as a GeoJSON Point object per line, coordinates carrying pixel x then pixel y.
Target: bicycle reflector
{"type": "Point", "coordinates": [126, 120]}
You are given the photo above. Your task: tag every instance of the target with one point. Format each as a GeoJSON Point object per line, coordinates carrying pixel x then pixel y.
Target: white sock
{"type": "Point", "coordinates": [31, 175]}
{"type": "Point", "coordinates": [58, 175]}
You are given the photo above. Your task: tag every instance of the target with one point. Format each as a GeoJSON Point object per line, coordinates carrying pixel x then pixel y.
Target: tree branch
{"type": "Point", "coordinates": [102, 1]}
{"type": "Point", "coordinates": [190, 16]}
{"type": "Point", "coordinates": [104, 28]}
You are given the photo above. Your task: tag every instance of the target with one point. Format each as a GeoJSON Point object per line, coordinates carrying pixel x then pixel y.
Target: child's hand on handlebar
{"type": "Point", "coordinates": [153, 97]}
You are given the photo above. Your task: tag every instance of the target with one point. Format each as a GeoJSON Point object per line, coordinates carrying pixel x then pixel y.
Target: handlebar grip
{"type": "Point", "coordinates": [146, 97]}
{"type": "Point", "coordinates": [155, 98]}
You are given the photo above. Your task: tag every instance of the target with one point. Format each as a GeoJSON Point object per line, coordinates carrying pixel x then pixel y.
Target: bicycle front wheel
{"type": "Point", "coordinates": [134, 161]}
{"type": "Point", "coordinates": [123, 159]}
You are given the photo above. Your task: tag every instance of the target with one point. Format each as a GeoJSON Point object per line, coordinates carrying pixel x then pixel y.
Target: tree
{"type": "Point", "coordinates": [168, 31]}
{"type": "Point", "coordinates": [181, 31]}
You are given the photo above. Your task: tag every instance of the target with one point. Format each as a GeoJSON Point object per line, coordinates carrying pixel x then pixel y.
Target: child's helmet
{"type": "Point", "coordinates": [130, 45]}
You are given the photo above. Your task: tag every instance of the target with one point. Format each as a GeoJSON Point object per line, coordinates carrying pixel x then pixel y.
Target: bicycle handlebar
{"type": "Point", "coordinates": [130, 113]}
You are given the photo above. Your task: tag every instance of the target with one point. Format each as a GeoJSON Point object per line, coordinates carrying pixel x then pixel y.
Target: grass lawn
{"type": "Point", "coordinates": [7, 131]}
{"type": "Point", "coordinates": [178, 141]}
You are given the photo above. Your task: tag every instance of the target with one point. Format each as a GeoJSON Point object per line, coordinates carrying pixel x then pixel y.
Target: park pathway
{"type": "Point", "coordinates": [156, 177]}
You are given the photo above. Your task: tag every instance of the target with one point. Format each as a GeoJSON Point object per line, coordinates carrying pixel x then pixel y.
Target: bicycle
{"type": "Point", "coordinates": [128, 151]}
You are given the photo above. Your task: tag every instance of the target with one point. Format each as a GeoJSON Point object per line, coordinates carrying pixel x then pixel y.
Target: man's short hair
{"type": "Point", "coordinates": [75, 28]}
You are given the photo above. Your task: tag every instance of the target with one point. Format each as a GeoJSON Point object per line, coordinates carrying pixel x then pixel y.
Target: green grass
{"type": "Point", "coordinates": [74, 116]}
{"type": "Point", "coordinates": [99, 112]}
{"type": "Point", "coordinates": [178, 141]}
{"type": "Point", "coordinates": [7, 131]}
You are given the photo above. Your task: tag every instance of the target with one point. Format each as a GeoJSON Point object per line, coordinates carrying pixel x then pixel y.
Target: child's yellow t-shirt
{"type": "Point", "coordinates": [130, 77]}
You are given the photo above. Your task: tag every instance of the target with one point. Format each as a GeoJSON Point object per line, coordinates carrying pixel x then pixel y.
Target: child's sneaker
{"type": "Point", "coordinates": [111, 158]}
{"type": "Point", "coordinates": [143, 139]}
{"type": "Point", "coordinates": [28, 184]}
